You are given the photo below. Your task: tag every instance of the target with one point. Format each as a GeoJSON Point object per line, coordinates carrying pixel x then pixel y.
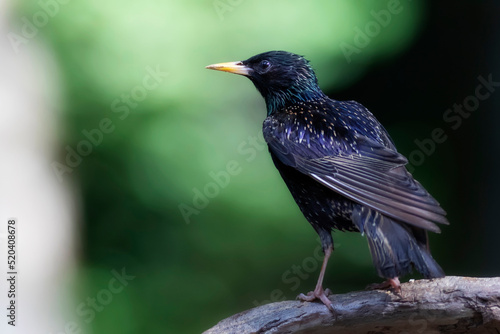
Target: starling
{"type": "Point", "coordinates": [343, 169]}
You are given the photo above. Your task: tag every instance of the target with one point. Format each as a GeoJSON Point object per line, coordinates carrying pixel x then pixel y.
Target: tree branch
{"type": "Point", "coordinates": [445, 305]}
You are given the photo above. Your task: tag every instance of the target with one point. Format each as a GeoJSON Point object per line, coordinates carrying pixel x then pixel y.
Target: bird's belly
{"type": "Point", "coordinates": [321, 206]}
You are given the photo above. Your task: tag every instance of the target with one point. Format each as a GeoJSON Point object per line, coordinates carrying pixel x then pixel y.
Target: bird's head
{"type": "Point", "coordinates": [281, 77]}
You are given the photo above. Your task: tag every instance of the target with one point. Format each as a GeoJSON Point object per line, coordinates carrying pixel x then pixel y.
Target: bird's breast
{"type": "Point", "coordinates": [314, 132]}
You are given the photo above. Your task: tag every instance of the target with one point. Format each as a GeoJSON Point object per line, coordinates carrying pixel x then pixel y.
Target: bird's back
{"type": "Point", "coordinates": [325, 126]}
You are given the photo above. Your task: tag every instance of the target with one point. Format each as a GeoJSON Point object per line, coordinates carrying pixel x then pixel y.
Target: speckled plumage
{"type": "Point", "coordinates": [342, 168]}
{"type": "Point", "coordinates": [309, 139]}
{"type": "Point", "coordinates": [321, 128]}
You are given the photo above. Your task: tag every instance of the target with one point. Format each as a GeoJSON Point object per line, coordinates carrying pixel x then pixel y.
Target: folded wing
{"type": "Point", "coordinates": [373, 175]}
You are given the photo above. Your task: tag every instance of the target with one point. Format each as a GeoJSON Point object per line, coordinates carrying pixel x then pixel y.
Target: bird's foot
{"type": "Point", "coordinates": [390, 283]}
{"type": "Point", "coordinates": [317, 294]}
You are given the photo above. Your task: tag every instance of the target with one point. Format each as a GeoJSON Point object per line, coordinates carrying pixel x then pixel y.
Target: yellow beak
{"type": "Point", "coordinates": [236, 67]}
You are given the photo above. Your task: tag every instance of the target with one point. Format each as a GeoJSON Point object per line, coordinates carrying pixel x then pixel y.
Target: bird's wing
{"type": "Point", "coordinates": [374, 176]}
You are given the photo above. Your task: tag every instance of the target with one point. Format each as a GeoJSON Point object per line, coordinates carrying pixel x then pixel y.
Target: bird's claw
{"type": "Point", "coordinates": [307, 298]}
{"type": "Point", "coordinates": [390, 283]}
{"type": "Point", "coordinates": [317, 294]}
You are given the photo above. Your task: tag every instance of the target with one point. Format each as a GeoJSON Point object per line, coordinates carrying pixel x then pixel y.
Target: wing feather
{"type": "Point", "coordinates": [373, 175]}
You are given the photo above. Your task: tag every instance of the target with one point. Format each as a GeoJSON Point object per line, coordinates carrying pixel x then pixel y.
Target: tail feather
{"type": "Point", "coordinates": [396, 247]}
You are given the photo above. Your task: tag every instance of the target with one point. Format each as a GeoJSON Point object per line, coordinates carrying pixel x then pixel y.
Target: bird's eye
{"type": "Point", "coordinates": [265, 65]}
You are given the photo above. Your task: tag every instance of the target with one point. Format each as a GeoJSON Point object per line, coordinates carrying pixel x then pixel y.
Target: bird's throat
{"type": "Point", "coordinates": [280, 99]}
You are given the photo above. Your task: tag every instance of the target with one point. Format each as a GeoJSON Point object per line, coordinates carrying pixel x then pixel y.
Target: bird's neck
{"type": "Point", "coordinates": [280, 99]}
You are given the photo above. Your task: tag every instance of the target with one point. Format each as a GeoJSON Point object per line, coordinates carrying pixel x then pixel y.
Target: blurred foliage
{"type": "Point", "coordinates": [245, 243]}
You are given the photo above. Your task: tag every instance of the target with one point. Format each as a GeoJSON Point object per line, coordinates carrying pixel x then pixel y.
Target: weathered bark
{"type": "Point", "coordinates": [445, 305]}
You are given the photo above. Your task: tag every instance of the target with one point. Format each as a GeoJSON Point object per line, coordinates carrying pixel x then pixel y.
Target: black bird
{"type": "Point", "coordinates": [342, 169]}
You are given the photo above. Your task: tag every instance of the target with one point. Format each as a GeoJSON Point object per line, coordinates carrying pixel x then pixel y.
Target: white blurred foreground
{"type": "Point", "coordinates": [44, 208]}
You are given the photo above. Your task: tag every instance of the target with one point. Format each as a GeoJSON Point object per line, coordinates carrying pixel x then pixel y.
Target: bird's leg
{"type": "Point", "coordinates": [388, 284]}
{"type": "Point", "coordinates": [318, 292]}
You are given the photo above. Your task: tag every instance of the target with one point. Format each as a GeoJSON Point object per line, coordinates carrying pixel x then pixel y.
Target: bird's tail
{"type": "Point", "coordinates": [396, 247]}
